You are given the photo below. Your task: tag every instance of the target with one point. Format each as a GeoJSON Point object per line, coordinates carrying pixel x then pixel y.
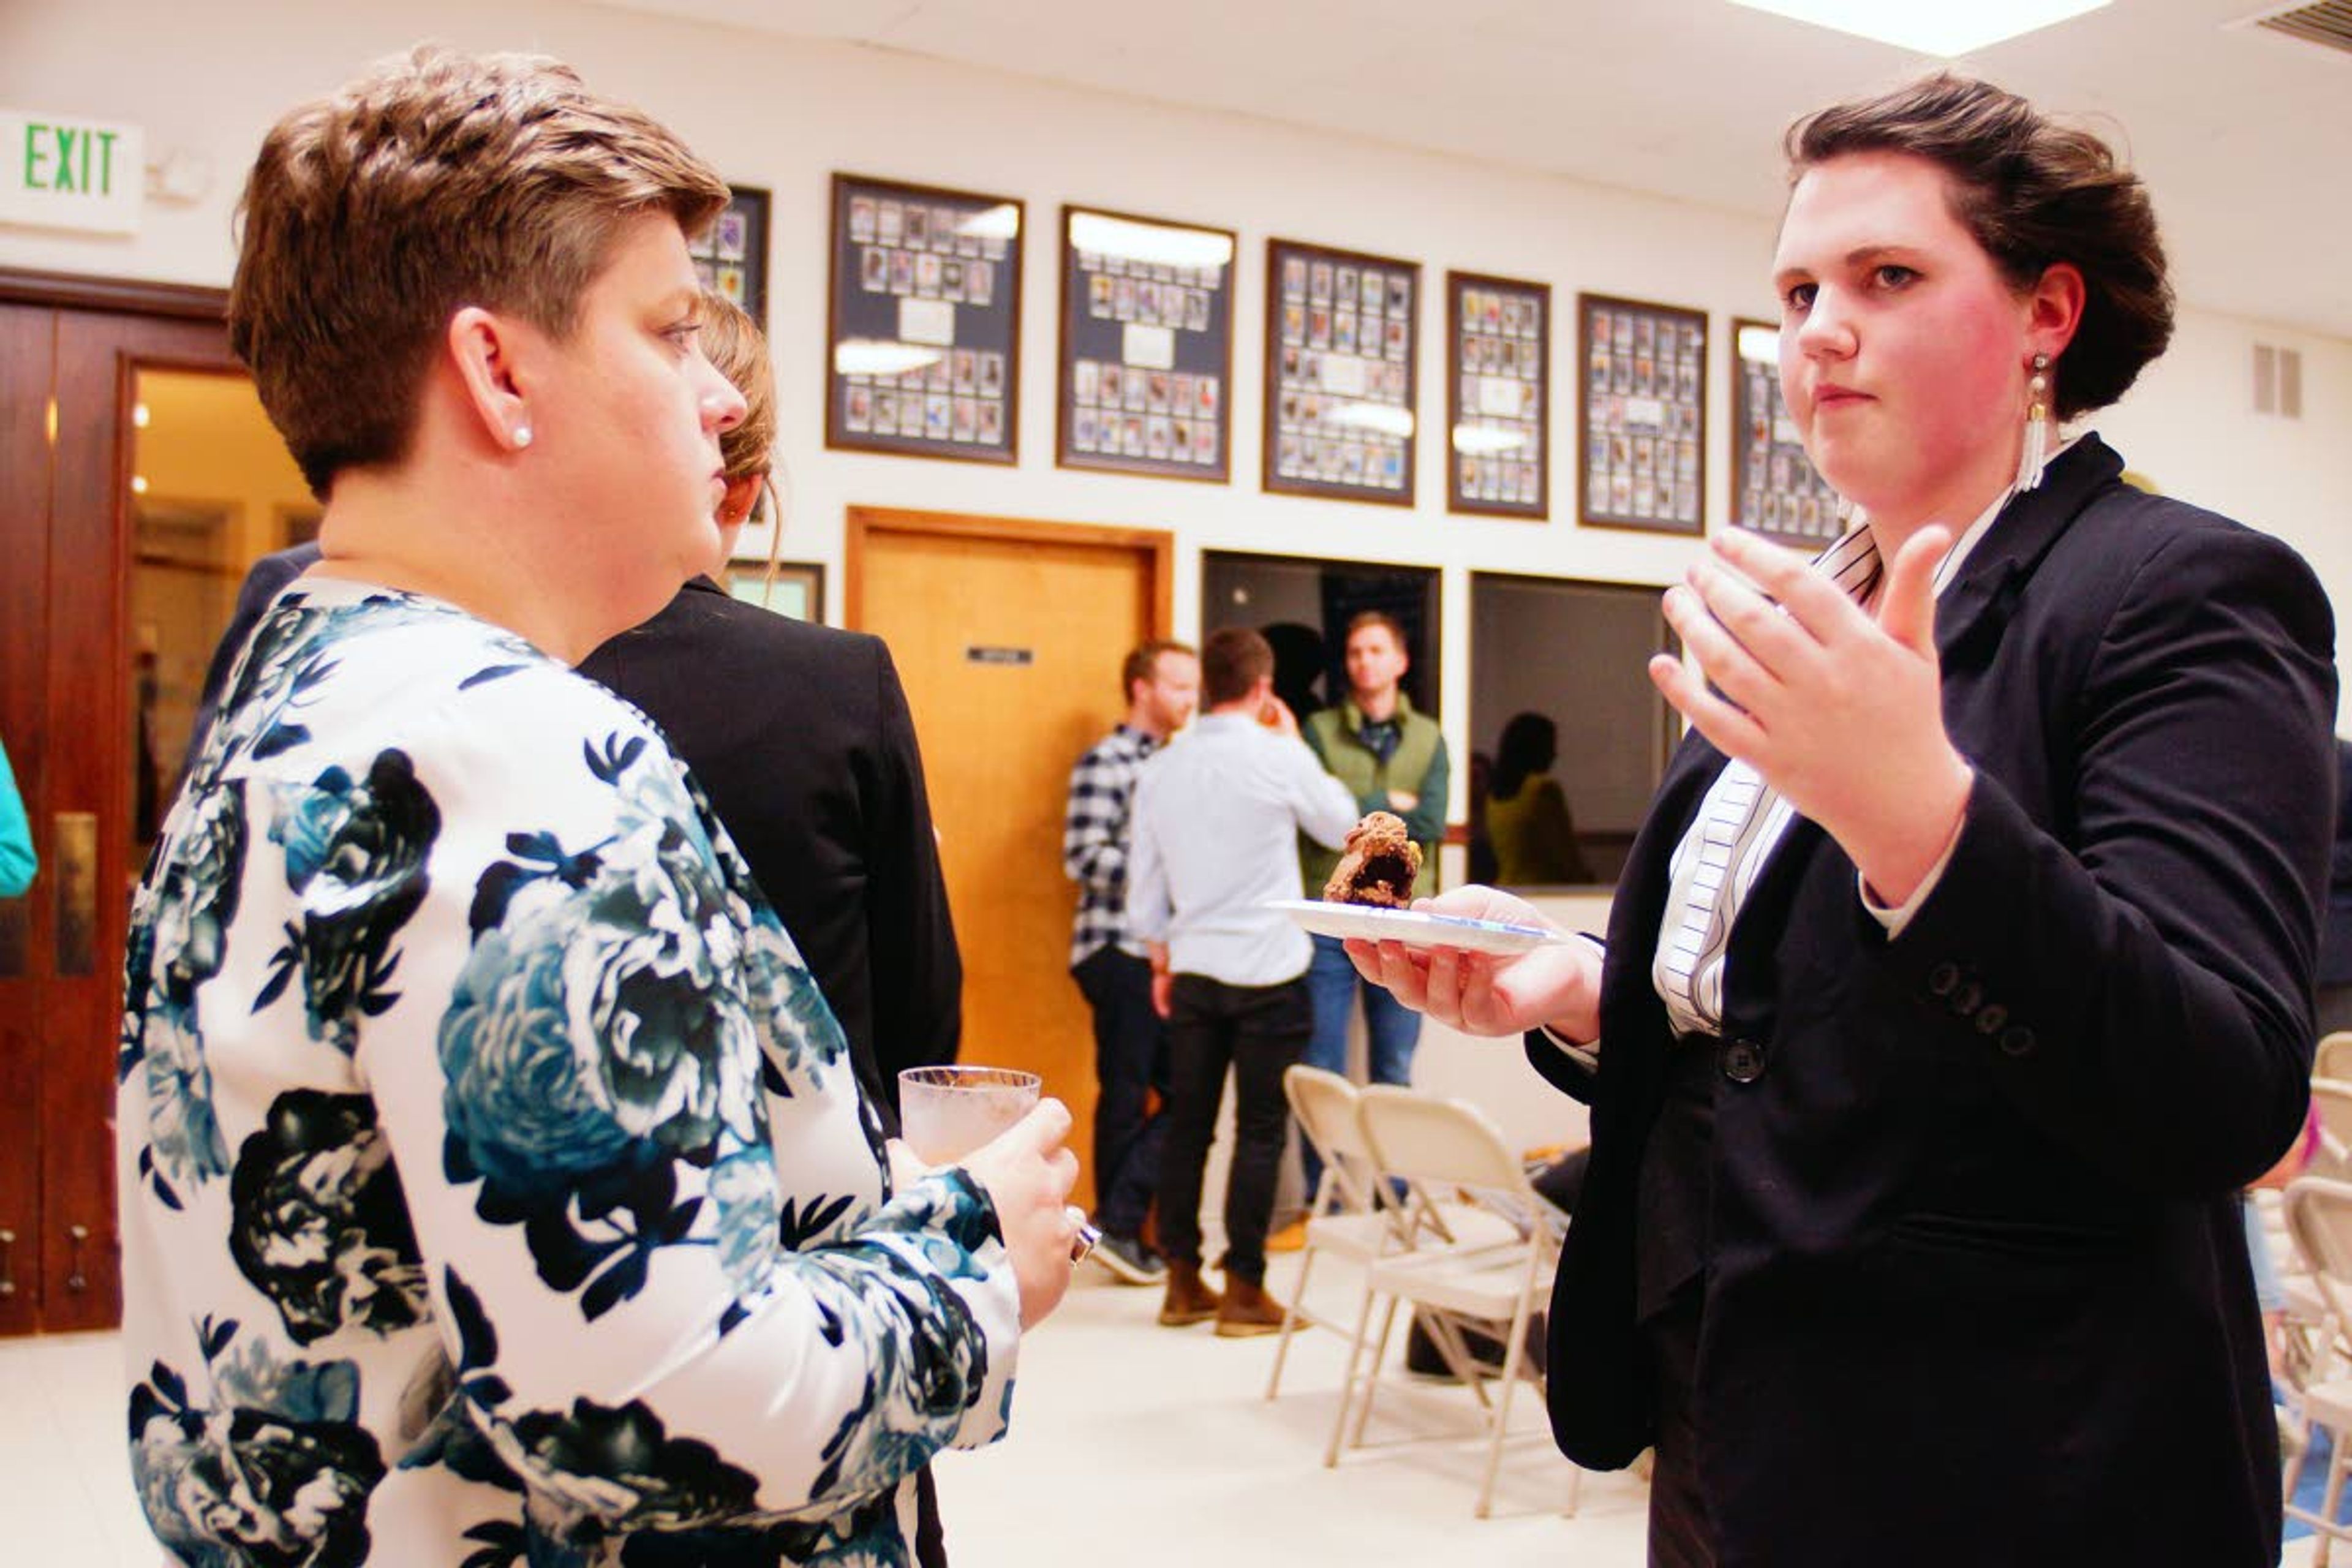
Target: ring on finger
{"type": "Point", "coordinates": [1083, 1243]}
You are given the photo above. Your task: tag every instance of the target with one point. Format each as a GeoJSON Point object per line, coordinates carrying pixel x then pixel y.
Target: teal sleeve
{"type": "Point", "coordinates": [17, 861]}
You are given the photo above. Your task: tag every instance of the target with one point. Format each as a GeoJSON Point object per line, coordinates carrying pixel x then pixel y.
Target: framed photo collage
{"type": "Point", "coordinates": [1147, 346]}
{"type": "Point", "coordinates": [925, 321]}
{"type": "Point", "coordinates": [923, 339]}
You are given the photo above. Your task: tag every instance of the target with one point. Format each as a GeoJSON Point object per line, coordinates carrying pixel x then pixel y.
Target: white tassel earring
{"type": "Point", "coordinates": [2036, 449]}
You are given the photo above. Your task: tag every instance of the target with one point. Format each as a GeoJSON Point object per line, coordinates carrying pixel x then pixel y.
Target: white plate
{"type": "Point", "coordinates": [1413, 927]}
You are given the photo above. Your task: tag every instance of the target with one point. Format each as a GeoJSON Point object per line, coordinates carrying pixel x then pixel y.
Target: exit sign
{"type": "Point", "coordinates": [57, 171]}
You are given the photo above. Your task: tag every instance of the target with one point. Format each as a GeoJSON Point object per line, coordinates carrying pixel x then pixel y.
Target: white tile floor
{"type": "Point", "coordinates": [1132, 1443]}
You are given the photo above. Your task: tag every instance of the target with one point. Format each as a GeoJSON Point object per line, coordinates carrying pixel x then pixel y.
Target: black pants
{"type": "Point", "coordinates": [1257, 1031]}
{"type": "Point", "coordinates": [1130, 1061]}
{"type": "Point", "coordinates": [1680, 1534]}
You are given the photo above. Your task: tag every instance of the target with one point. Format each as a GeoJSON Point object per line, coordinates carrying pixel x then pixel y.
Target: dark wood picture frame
{"type": "Point", "coordinates": [1157, 337]}
{"type": "Point", "coordinates": [1499, 342]}
{"type": "Point", "coordinates": [731, 256]}
{"type": "Point", "coordinates": [1775, 488]}
{"type": "Point", "coordinates": [887, 255]}
{"type": "Point", "coordinates": [746, 579]}
{"type": "Point", "coordinates": [1633, 406]}
{"type": "Point", "coordinates": [1309, 377]}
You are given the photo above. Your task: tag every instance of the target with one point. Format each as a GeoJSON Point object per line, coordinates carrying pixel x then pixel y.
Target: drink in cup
{"type": "Point", "coordinates": [946, 1112]}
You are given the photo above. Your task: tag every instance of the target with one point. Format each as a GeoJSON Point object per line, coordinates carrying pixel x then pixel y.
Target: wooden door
{"type": "Point", "coordinates": [1009, 636]}
{"type": "Point", "coordinates": [69, 383]}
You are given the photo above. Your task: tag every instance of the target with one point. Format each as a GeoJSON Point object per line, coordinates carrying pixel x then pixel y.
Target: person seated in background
{"type": "Point", "coordinates": [494, 1178]}
{"type": "Point", "coordinates": [1527, 818]}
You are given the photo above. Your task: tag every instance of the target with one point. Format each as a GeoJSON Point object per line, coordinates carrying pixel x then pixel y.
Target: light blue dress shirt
{"type": "Point", "coordinates": [1216, 819]}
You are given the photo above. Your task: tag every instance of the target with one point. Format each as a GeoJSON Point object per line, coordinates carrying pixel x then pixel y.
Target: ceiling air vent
{"type": "Point", "coordinates": [2327, 23]}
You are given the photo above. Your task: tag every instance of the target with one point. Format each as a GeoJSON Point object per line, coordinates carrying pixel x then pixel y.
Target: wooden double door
{"type": "Point", "coordinates": [76, 684]}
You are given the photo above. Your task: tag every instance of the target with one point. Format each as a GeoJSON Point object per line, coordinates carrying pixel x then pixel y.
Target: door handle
{"type": "Point", "coordinates": [73, 838]}
{"type": "Point", "coordinates": [7, 1262]}
{"type": "Point", "coordinates": [76, 1279]}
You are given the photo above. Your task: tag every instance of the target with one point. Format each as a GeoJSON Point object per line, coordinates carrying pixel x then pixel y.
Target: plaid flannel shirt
{"type": "Point", "coordinates": [1095, 840]}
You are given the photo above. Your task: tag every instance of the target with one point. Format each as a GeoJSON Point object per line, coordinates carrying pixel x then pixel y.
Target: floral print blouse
{"type": "Point", "coordinates": [496, 1188]}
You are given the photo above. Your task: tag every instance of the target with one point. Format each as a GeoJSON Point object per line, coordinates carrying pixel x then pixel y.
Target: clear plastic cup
{"type": "Point", "coordinates": [944, 1113]}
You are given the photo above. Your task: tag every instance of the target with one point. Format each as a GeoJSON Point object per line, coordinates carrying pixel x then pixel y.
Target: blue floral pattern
{"type": "Point", "coordinates": [447, 994]}
{"type": "Point", "coordinates": [275, 1473]}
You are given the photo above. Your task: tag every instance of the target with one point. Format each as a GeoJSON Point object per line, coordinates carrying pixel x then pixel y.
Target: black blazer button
{"type": "Point", "coordinates": [1743, 1060]}
{"type": "Point", "coordinates": [1991, 1017]}
{"type": "Point", "coordinates": [2018, 1041]}
{"type": "Point", "coordinates": [1967, 999]}
{"type": "Point", "coordinates": [1942, 978]}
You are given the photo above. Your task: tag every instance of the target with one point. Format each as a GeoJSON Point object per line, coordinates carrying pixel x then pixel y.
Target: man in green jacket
{"type": "Point", "coordinates": [1392, 758]}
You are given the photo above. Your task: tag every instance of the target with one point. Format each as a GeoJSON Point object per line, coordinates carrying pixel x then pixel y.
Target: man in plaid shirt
{"type": "Point", "coordinates": [1162, 683]}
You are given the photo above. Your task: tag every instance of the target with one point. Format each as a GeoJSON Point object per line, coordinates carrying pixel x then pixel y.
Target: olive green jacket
{"type": "Point", "coordinates": [1418, 766]}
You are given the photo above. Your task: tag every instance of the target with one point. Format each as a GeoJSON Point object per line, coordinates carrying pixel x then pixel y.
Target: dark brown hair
{"type": "Point", "coordinates": [1143, 663]}
{"type": "Point", "coordinates": [2034, 192]}
{"type": "Point", "coordinates": [436, 180]}
{"type": "Point", "coordinates": [1234, 660]}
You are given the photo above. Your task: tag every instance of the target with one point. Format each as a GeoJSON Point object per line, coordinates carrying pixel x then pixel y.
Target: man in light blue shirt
{"type": "Point", "coordinates": [1215, 825]}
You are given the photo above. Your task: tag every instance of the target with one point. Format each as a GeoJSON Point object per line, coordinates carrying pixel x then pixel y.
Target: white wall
{"type": "Point", "coordinates": [784, 114]}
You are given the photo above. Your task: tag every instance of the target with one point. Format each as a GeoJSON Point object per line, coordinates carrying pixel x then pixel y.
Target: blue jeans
{"type": "Point", "coordinates": [1393, 1029]}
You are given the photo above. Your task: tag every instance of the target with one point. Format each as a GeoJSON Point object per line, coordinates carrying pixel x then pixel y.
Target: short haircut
{"type": "Point", "coordinates": [436, 180]}
{"type": "Point", "coordinates": [738, 350]}
{"type": "Point", "coordinates": [1232, 660]}
{"type": "Point", "coordinates": [2034, 192]}
{"type": "Point", "coordinates": [1143, 663]}
{"type": "Point", "coordinates": [1363, 618]}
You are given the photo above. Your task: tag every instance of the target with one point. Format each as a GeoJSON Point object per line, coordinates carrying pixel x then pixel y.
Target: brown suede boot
{"type": "Point", "coordinates": [1247, 1310]}
{"type": "Point", "coordinates": [1189, 1299]}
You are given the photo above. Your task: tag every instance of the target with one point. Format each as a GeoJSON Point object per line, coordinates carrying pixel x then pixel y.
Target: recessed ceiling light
{"type": "Point", "coordinates": [1929, 26]}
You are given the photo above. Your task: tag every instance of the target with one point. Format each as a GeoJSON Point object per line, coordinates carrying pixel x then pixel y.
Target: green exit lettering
{"type": "Point", "coordinates": [69, 159]}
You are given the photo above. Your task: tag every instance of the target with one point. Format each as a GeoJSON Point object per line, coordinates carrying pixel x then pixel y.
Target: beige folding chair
{"type": "Point", "coordinates": [1448, 1153]}
{"type": "Point", "coordinates": [1345, 1215]}
{"type": "Point", "coordinates": [2332, 1098]}
{"type": "Point", "coordinates": [1352, 1213]}
{"type": "Point", "coordinates": [2334, 1056]}
{"type": "Point", "coordinates": [2319, 1218]}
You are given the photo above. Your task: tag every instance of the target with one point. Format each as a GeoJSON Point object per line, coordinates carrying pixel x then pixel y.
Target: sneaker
{"type": "Point", "coordinates": [1129, 1261]}
{"type": "Point", "coordinates": [1291, 1237]}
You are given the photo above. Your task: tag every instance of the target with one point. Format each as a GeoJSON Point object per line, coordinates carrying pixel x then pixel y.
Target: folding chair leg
{"type": "Point", "coordinates": [1372, 1373]}
{"type": "Point", "coordinates": [2339, 1458]}
{"type": "Point", "coordinates": [1348, 1379]}
{"type": "Point", "coordinates": [1290, 1319]}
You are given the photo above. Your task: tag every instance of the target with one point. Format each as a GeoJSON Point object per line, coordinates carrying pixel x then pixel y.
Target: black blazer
{"type": "Point", "coordinates": [1977, 1288]}
{"type": "Point", "coordinates": [801, 736]}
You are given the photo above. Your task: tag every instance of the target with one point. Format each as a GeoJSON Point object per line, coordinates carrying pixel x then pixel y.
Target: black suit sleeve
{"type": "Point", "coordinates": [2141, 990]}
{"type": "Point", "coordinates": [917, 972]}
{"type": "Point", "coordinates": [261, 585]}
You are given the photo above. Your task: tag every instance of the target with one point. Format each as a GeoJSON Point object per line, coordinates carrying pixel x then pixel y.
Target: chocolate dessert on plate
{"type": "Point", "coordinates": [1376, 866]}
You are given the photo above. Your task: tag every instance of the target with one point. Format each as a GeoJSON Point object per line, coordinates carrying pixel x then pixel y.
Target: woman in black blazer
{"type": "Point", "coordinates": [1962, 971]}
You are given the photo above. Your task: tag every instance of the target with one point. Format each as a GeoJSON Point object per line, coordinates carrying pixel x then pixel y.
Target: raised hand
{"type": "Point", "coordinates": [1558, 983]}
{"type": "Point", "coordinates": [1838, 707]}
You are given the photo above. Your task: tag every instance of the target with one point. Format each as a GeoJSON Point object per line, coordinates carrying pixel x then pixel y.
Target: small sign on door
{"type": "Point", "coordinates": [977, 654]}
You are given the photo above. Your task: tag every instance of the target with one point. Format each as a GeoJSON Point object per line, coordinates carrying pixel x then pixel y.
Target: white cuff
{"type": "Point", "coordinates": [1896, 918]}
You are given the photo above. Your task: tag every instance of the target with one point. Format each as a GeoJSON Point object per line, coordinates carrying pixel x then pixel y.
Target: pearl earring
{"type": "Point", "coordinates": [521, 437]}
{"type": "Point", "coordinates": [2036, 449]}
